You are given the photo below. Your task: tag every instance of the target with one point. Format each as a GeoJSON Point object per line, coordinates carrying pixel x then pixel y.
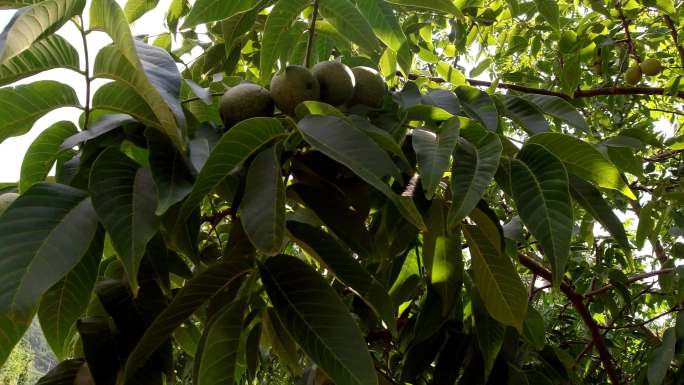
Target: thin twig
{"type": "Point", "coordinates": [628, 35]}
{"type": "Point", "coordinates": [86, 71]}
{"type": "Point", "coordinates": [642, 323]}
{"type": "Point", "coordinates": [675, 38]}
{"type": "Point", "coordinates": [629, 280]}
{"type": "Point", "coordinates": [312, 34]}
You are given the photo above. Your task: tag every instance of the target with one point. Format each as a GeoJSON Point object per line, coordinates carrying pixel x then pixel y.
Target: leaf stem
{"type": "Point", "coordinates": [86, 71]}
{"type": "Point", "coordinates": [312, 34]}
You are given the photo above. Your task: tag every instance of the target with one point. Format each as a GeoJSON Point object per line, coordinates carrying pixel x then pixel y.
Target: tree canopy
{"type": "Point", "coordinates": [349, 192]}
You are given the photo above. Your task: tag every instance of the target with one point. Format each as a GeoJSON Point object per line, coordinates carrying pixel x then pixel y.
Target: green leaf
{"type": "Point", "coordinates": [22, 106]}
{"type": "Point", "coordinates": [217, 357]}
{"type": "Point", "coordinates": [479, 105]}
{"type": "Point", "coordinates": [343, 265]}
{"type": "Point", "coordinates": [306, 304]}
{"type": "Point", "coordinates": [495, 278]}
{"type": "Point", "coordinates": [235, 26]}
{"type": "Point", "coordinates": [263, 206]}
{"type": "Point", "coordinates": [661, 358]}
{"type": "Point", "coordinates": [277, 24]}
{"type": "Point", "coordinates": [156, 72]}
{"type": "Point", "coordinates": [170, 171]}
{"type": "Point", "coordinates": [625, 160]}
{"type": "Point", "coordinates": [68, 299]}
{"type": "Point", "coordinates": [490, 334]}
{"type": "Point", "coordinates": [52, 52]}
{"type": "Point", "coordinates": [189, 298]}
{"type": "Point", "coordinates": [525, 114]}
{"type": "Point", "coordinates": [344, 143]}
{"type": "Point", "coordinates": [384, 22]}
{"type": "Point", "coordinates": [120, 97]}
{"type": "Point", "coordinates": [242, 141]}
{"type": "Point", "coordinates": [584, 160]}
{"type": "Point", "coordinates": [445, 6]}
{"type": "Point", "coordinates": [549, 11]}
{"type": "Point", "coordinates": [472, 172]}
{"type": "Point", "coordinates": [125, 200]}
{"type": "Point", "coordinates": [447, 270]}
{"type": "Point", "coordinates": [590, 198]}
{"type": "Point", "coordinates": [13, 4]}
{"type": "Point", "coordinates": [534, 329]}
{"type": "Point", "coordinates": [205, 11]}
{"type": "Point", "coordinates": [134, 9]}
{"type": "Point", "coordinates": [65, 373]}
{"type": "Point", "coordinates": [559, 109]}
{"type": "Point", "coordinates": [42, 153]}
{"type": "Point", "coordinates": [646, 224]}
{"type": "Point", "coordinates": [541, 192]}
{"type": "Point", "coordinates": [668, 7]}
{"type": "Point", "coordinates": [35, 22]}
{"type": "Point", "coordinates": [348, 21]}
{"type": "Point", "coordinates": [433, 153]}
{"type": "Point", "coordinates": [43, 235]}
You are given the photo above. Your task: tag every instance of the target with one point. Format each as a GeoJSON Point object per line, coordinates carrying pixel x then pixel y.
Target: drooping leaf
{"type": "Point", "coordinates": [135, 9]}
{"type": "Point", "coordinates": [191, 297]}
{"type": "Point", "coordinates": [341, 262]}
{"type": "Point", "coordinates": [479, 105]}
{"type": "Point", "coordinates": [344, 143]}
{"type": "Point", "coordinates": [52, 52]}
{"type": "Point", "coordinates": [22, 106]}
{"type": "Point", "coordinates": [433, 153]}
{"type": "Point", "coordinates": [495, 278]}
{"type": "Point", "coordinates": [349, 22]}
{"type": "Point", "coordinates": [125, 199]}
{"type": "Point", "coordinates": [472, 172]}
{"type": "Point", "coordinates": [68, 299]}
{"type": "Point", "coordinates": [43, 235]}
{"type": "Point", "coordinates": [64, 373]}
{"type": "Point", "coordinates": [278, 22]}
{"type": "Point", "coordinates": [541, 192]}
{"type": "Point", "coordinates": [34, 22]}
{"type": "Point", "coordinates": [446, 274]}
{"type": "Point", "coordinates": [42, 153]}
{"type": "Point", "coordinates": [235, 146]}
{"type": "Point", "coordinates": [120, 97]}
{"type": "Point", "coordinates": [534, 329]}
{"type": "Point", "coordinates": [525, 114]}
{"type": "Point", "coordinates": [590, 198]}
{"type": "Point", "coordinates": [280, 340]}
{"type": "Point", "coordinates": [661, 358]}
{"type": "Point", "coordinates": [490, 334]}
{"type": "Point", "coordinates": [102, 126]}
{"type": "Point", "coordinates": [263, 206]}
{"type": "Point", "coordinates": [170, 171]}
{"type": "Point", "coordinates": [218, 356]}
{"type": "Point", "coordinates": [307, 306]}
{"type": "Point", "coordinates": [153, 72]}
{"type": "Point", "coordinates": [560, 109]}
{"type": "Point", "coordinates": [205, 11]}
{"type": "Point", "coordinates": [584, 160]}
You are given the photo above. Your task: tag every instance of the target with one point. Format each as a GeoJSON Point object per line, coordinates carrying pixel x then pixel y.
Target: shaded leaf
{"type": "Point", "coordinates": [549, 11]}
{"type": "Point", "coordinates": [125, 200]}
{"type": "Point", "coordinates": [278, 23]}
{"type": "Point", "coordinates": [478, 105]}
{"type": "Point", "coordinates": [661, 358]}
{"type": "Point", "coordinates": [559, 108]}
{"type": "Point", "coordinates": [52, 52]}
{"type": "Point", "coordinates": [349, 22]}
{"type": "Point", "coordinates": [43, 235]}
{"type": "Point", "coordinates": [205, 11]}
{"type": "Point", "coordinates": [525, 114]}
{"type": "Point", "coordinates": [42, 153]}
{"type": "Point", "coordinates": [433, 153]}
{"type": "Point", "coordinates": [318, 320]}
{"type": "Point", "coordinates": [65, 373]}
{"type": "Point", "coordinates": [172, 177]}
{"type": "Point", "coordinates": [445, 6]}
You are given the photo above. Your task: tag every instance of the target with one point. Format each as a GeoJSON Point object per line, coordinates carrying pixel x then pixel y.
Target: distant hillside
{"type": "Point", "coordinates": [30, 359]}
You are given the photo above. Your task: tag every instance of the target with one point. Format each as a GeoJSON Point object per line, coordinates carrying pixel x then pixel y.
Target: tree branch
{"type": "Point", "coordinates": [675, 38]}
{"type": "Point", "coordinates": [628, 36]}
{"type": "Point", "coordinates": [312, 34]}
{"type": "Point", "coordinates": [642, 323]}
{"type": "Point", "coordinates": [629, 280]}
{"type": "Point", "coordinates": [577, 301]}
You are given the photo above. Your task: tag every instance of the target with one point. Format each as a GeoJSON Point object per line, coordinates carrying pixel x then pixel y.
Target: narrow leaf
{"type": "Point", "coordinates": [318, 320]}
{"type": "Point", "coordinates": [541, 192]}
{"type": "Point", "coordinates": [349, 22]}
{"type": "Point", "coordinates": [263, 206]}
{"type": "Point", "coordinates": [584, 160]}
{"type": "Point", "coordinates": [278, 23]}
{"type": "Point", "coordinates": [661, 358]}
{"type": "Point", "coordinates": [125, 200]}
{"type": "Point", "coordinates": [42, 153]}
{"type": "Point", "coordinates": [433, 153]}
{"type": "Point", "coordinates": [495, 278]}
{"type": "Point", "coordinates": [43, 235]}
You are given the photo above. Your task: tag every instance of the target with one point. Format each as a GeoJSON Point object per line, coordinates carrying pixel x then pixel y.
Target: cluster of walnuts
{"type": "Point", "coordinates": [648, 67]}
{"type": "Point", "coordinates": [331, 82]}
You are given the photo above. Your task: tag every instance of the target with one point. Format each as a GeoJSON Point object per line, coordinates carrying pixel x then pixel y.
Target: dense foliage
{"type": "Point", "coordinates": [428, 228]}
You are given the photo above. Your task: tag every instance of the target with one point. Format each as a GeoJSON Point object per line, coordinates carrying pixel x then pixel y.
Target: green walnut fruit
{"type": "Point", "coordinates": [369, 89]}
{"type": "Point", "coordinates": [6, 200]}
{"type": "Point", "coordinates": [294, 85]}
{"type": "Point", "coordinates": [568, 41]}
{"type": "Point", "coordinates": [245, 101]}
{"type": "Point", "coordinates": [633, 75]}
{"type": "Point", "coordinates": [651, 67]}
{"type": "Point", "coordinates": [336, 80]}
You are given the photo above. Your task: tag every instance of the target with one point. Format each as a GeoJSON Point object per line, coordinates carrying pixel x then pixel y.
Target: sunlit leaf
{"type": "Point", "coordinates": [52, 52]}
{"type": "Point", "coordinates": [433, 153]}
{"type": "Point", "coordinates": [42, 153]}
